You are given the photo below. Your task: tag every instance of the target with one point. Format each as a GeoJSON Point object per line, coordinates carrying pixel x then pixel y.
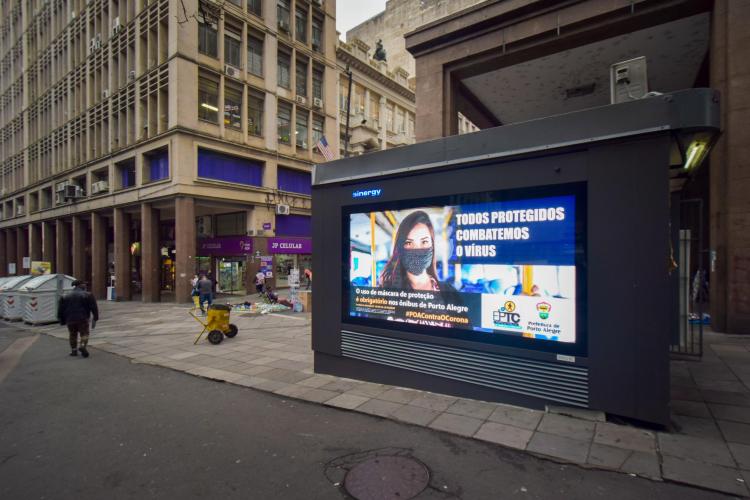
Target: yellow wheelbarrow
{"type": "Point", "coordinates": [217, 323]}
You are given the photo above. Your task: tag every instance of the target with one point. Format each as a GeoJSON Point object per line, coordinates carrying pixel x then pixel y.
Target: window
{"type": "Point", "coordinates": [232, 45]}
{"type": "Point", "coordinates": [255, 54]}
{"type": "Point", "coordinates": [400, 124]}
{"type": "Point", "coordinates": [254, 7]}
{"type": "Point", "coordinates": [301, 78]}
{"type": "Point", "coordinates": [343, 92]}
{"type": "Point", "coordinates": [358, 103]}
{"type": "Point", "coordinates": [232, 106]}
{"type": "Point", "coordinates": [285, 62]}
{"type": "Point", "coordinates": [207, 38]}
{"type": "Point", "coordinates": [282, 14]}
{"type": "Point", "coordinates": [233, 224]}
{"type": "Point", "coordinates": [208, 98]}
{"type": "Point", "coordinates": [285, 122]}
{"type": "Point", "coordinates": [158, 165]}
{"type": "Point", "coordinates": [294, 181]}
{"type": "Point", "coordinates": [255, 112]}
{"type": "Point", "coordinates": [374, 106]}
{"type": "Point", "coordinates": [410, 129]}
{"type": "Point", "coordinates": [300, 26]}
{"type": "Point", "coordinates": [317, 34]}
{"type": "Point", "coordinates": [389, 116]}
{"type": "Point", "coordinates": [302, 126]}
{"type": "Point", "coordinates": [126, 171]}
{"type": "Point", "coordinates": [318, 83]}
{"type": "Point", "coordinates": [318, 128]}
{"type": "Point", "coordinates": [222, 167]}
{"type": "Point", "coordinates": [238, 3]}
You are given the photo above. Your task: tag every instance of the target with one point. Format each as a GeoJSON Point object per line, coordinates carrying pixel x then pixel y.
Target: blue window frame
{"type": "Point", "coordinates": [295, 181]}
{"type": "Point", "coordinates": [158, 166]}
{"type": "Point", "coordinates": [222, 167]}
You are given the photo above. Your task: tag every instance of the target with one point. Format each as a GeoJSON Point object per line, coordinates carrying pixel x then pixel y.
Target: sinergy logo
{"type": "Point", "coordinates": [367, 193]}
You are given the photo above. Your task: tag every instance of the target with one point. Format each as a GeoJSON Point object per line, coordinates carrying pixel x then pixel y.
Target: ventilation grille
{"type": "Point", "coordinates": [540, 379]}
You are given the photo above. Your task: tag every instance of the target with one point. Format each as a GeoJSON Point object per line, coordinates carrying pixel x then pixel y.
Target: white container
{"type": "Point", "coordinates": [39, 297]}
{"type": "Point", "coordinates": [9, 291]}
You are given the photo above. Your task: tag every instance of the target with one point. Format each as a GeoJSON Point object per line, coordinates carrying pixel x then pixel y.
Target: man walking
{"type": "Point", "coordinates": [74, 311]}
{"type": "Point", "coordinates": [205, 291]}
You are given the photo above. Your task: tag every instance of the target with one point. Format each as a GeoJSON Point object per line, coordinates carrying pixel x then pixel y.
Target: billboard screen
{"type": "Point", "coordinates": [485, 266]}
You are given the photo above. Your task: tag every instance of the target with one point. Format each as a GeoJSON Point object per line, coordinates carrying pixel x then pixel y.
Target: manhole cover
{"type": "Point", "coordinates": [387, 478]}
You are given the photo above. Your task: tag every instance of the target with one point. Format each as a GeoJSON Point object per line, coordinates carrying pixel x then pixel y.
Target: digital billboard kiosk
{"type": "Point", "coordinates": [525, 264]}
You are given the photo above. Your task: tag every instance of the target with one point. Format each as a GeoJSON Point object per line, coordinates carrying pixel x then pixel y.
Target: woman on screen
{"type": "Point", "coordinates": [412, 263]}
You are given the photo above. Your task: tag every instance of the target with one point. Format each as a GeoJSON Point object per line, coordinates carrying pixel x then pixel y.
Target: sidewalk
{"type": "Point", "coordinates": [711, 398]}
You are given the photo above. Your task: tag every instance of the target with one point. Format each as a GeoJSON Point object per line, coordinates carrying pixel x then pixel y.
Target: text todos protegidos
{"type": "Point", "coordinates": [467, 249]}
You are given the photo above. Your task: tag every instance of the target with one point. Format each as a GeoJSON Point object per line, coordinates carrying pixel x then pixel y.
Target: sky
{"type": "Point", "coordinates": [350, 13]}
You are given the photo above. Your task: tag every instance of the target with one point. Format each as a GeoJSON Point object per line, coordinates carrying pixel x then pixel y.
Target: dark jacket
{"type": "Point", "coordinates": [78, 305]}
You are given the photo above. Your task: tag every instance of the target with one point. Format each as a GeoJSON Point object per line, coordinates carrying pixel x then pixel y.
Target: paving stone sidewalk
{"type": "Point", "coordinates": [711, 398]}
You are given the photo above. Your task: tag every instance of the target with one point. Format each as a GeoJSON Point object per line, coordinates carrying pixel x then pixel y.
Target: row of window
{"type": "Point", "coordinates": [234, 107]}
{"type": "Point", "coordinates": [366, 102]}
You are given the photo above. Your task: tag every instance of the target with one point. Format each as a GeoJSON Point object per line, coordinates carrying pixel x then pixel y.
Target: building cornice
{"type": "Point", "coordinates": [344, 58]}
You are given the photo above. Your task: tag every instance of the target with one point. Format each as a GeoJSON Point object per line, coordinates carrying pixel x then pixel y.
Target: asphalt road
{"type": "Point", "coordinates": [104, 428]}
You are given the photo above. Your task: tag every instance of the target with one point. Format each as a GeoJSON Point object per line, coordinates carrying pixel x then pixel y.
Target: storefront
{"type": "Point", "coordinates": [289, 253]}
{"type": "Point", "coordinates": [225, 260]}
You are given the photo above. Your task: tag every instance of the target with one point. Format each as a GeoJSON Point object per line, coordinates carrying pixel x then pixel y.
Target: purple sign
{"type": "Point", "coordinates": [289, 245]}
{"type": "Point", "coordinates": [232, 245]}
{"type": "Point", "coordinates": [266, 226]}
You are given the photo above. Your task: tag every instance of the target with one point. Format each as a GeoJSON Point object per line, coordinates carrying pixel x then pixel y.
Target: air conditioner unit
{"type": "Point", "coordinates": [61, 187]}
{"type": "Point", "coordinates": [19, 210]}
{"type": "Point", "coordinates": [302, 100]}
{"type": "Point", "coordinates": [203, 225]}
{"type": "Point", "coordinates": [317, 102]}
{"type": "Point", "coordinates": [251, 232]}
{"type": "Point", "coordinates": [92, 45]}
{"type": "Point", "coordinates": [282, 209]}
{"type": "Point", "coordinates": [319, 3]}
{"type": "Point", "coordinates": [105, 94]}
{"type": "Point", "coordinates": [231, 71]}
{"type": "Point", "coordinates": [131, 76]}
{"type": "Point", "coordinates": [98, 41]}
{"type": "Point", "coordinates": [99, 187]}
{"type": "Point", "coordinates": [284, 25]}
{"type": "Point", "coordinates": [116, 26]}
{"type": "Point", "coordinates": [72, 192]}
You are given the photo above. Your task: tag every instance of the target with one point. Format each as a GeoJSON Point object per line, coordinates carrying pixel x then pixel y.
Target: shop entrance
{"type": "Point", "coordinates": [231, 275]}
{"type": "Point", "coordinates": [286, 262]}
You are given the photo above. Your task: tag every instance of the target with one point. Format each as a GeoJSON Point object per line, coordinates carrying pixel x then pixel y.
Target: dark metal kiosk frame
{"type": "Point", "coordinates": [616, 161]}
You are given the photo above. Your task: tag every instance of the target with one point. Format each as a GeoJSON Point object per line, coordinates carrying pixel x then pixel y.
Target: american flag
{"type": "Point", "coordinates": [324, 149]}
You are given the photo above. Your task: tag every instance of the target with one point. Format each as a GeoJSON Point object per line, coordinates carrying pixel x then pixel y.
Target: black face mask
{"type": "Point", "coordinates": [416, 260]}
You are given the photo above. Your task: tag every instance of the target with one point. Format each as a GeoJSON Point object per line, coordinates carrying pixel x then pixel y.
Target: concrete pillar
{"type": "Point", "coordinates": [729, 277]}
{"type": "Point", "coordinates": [3, 254]}
{"type": "Point", "coordinates": [98, 255]}
{"type": "Point", "coordinates": [78, 248]}
{"type": "Point", "coordinates": [10, 249]}
{"type": "Point", "coordinates": [150, 275]}
{"type": "Point", "coordinates": [35, 241]}
{"type": "Point", "coordinates": [22, 249]}
{"type": "Point", "coordinates": [48, 244]}
{"type": "Point", "coordinates": [122, 255]}
{"type": "Point", "coordinates": [62, 250]}
{"type": "Point", "coordinates": [184, 246]}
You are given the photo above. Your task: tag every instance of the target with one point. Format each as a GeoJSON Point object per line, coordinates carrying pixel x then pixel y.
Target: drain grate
{"type": "Point", "coordinates": [387, 478]}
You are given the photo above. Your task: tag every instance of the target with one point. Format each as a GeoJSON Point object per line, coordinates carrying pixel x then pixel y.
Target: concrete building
{"type": "Point", "coordinates": [144, 141]}
{"type": "Point", "coordinates": [401, 17]}
{"type": "Point", "coordinates": [503, 62]}
{"type": "Point", "coordinates": [383, 102]}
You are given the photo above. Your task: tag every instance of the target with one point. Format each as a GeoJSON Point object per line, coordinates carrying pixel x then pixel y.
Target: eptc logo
{"type": "Point", "coordinates": [507, 317]}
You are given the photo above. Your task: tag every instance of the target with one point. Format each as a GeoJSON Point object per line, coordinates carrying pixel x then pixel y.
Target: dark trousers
{"type": "Point", "coordinates": [205, 297]}
{"type": "Point", "coordinates": [259, 288]}
{"type": "Point", "coordinates": [76, 328]}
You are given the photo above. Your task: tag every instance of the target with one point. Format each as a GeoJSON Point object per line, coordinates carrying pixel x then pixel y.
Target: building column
{"type": "Point", "coordinates": [78, 247]}
{"type": "Point", "coordinates": [48, 244]}
{"type": "Point", "coordinates": [98, 255]}
{"type": "Point", "coordinates": [150, 275]}
{"type": "Point", "coordinates": [122, 255]}
{"type": "Point", "coordinates": [10, 249]}
{"type": "Point", "coordinates": [62, 252]}
{"type": "Point", "coordinates": [35, 241]}
{"type": "Point", "coordinates": [730, 211]}
{"type": "Point", "coordinates": [184, 226]}
{"type": "Point", "coordinates": [3, 255]}
{"type": "Point", "coordinates": [22, 249]}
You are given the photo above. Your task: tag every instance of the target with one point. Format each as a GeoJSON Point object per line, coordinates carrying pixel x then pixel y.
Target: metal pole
{"type": "Point", "coordinates": [348, 112]}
